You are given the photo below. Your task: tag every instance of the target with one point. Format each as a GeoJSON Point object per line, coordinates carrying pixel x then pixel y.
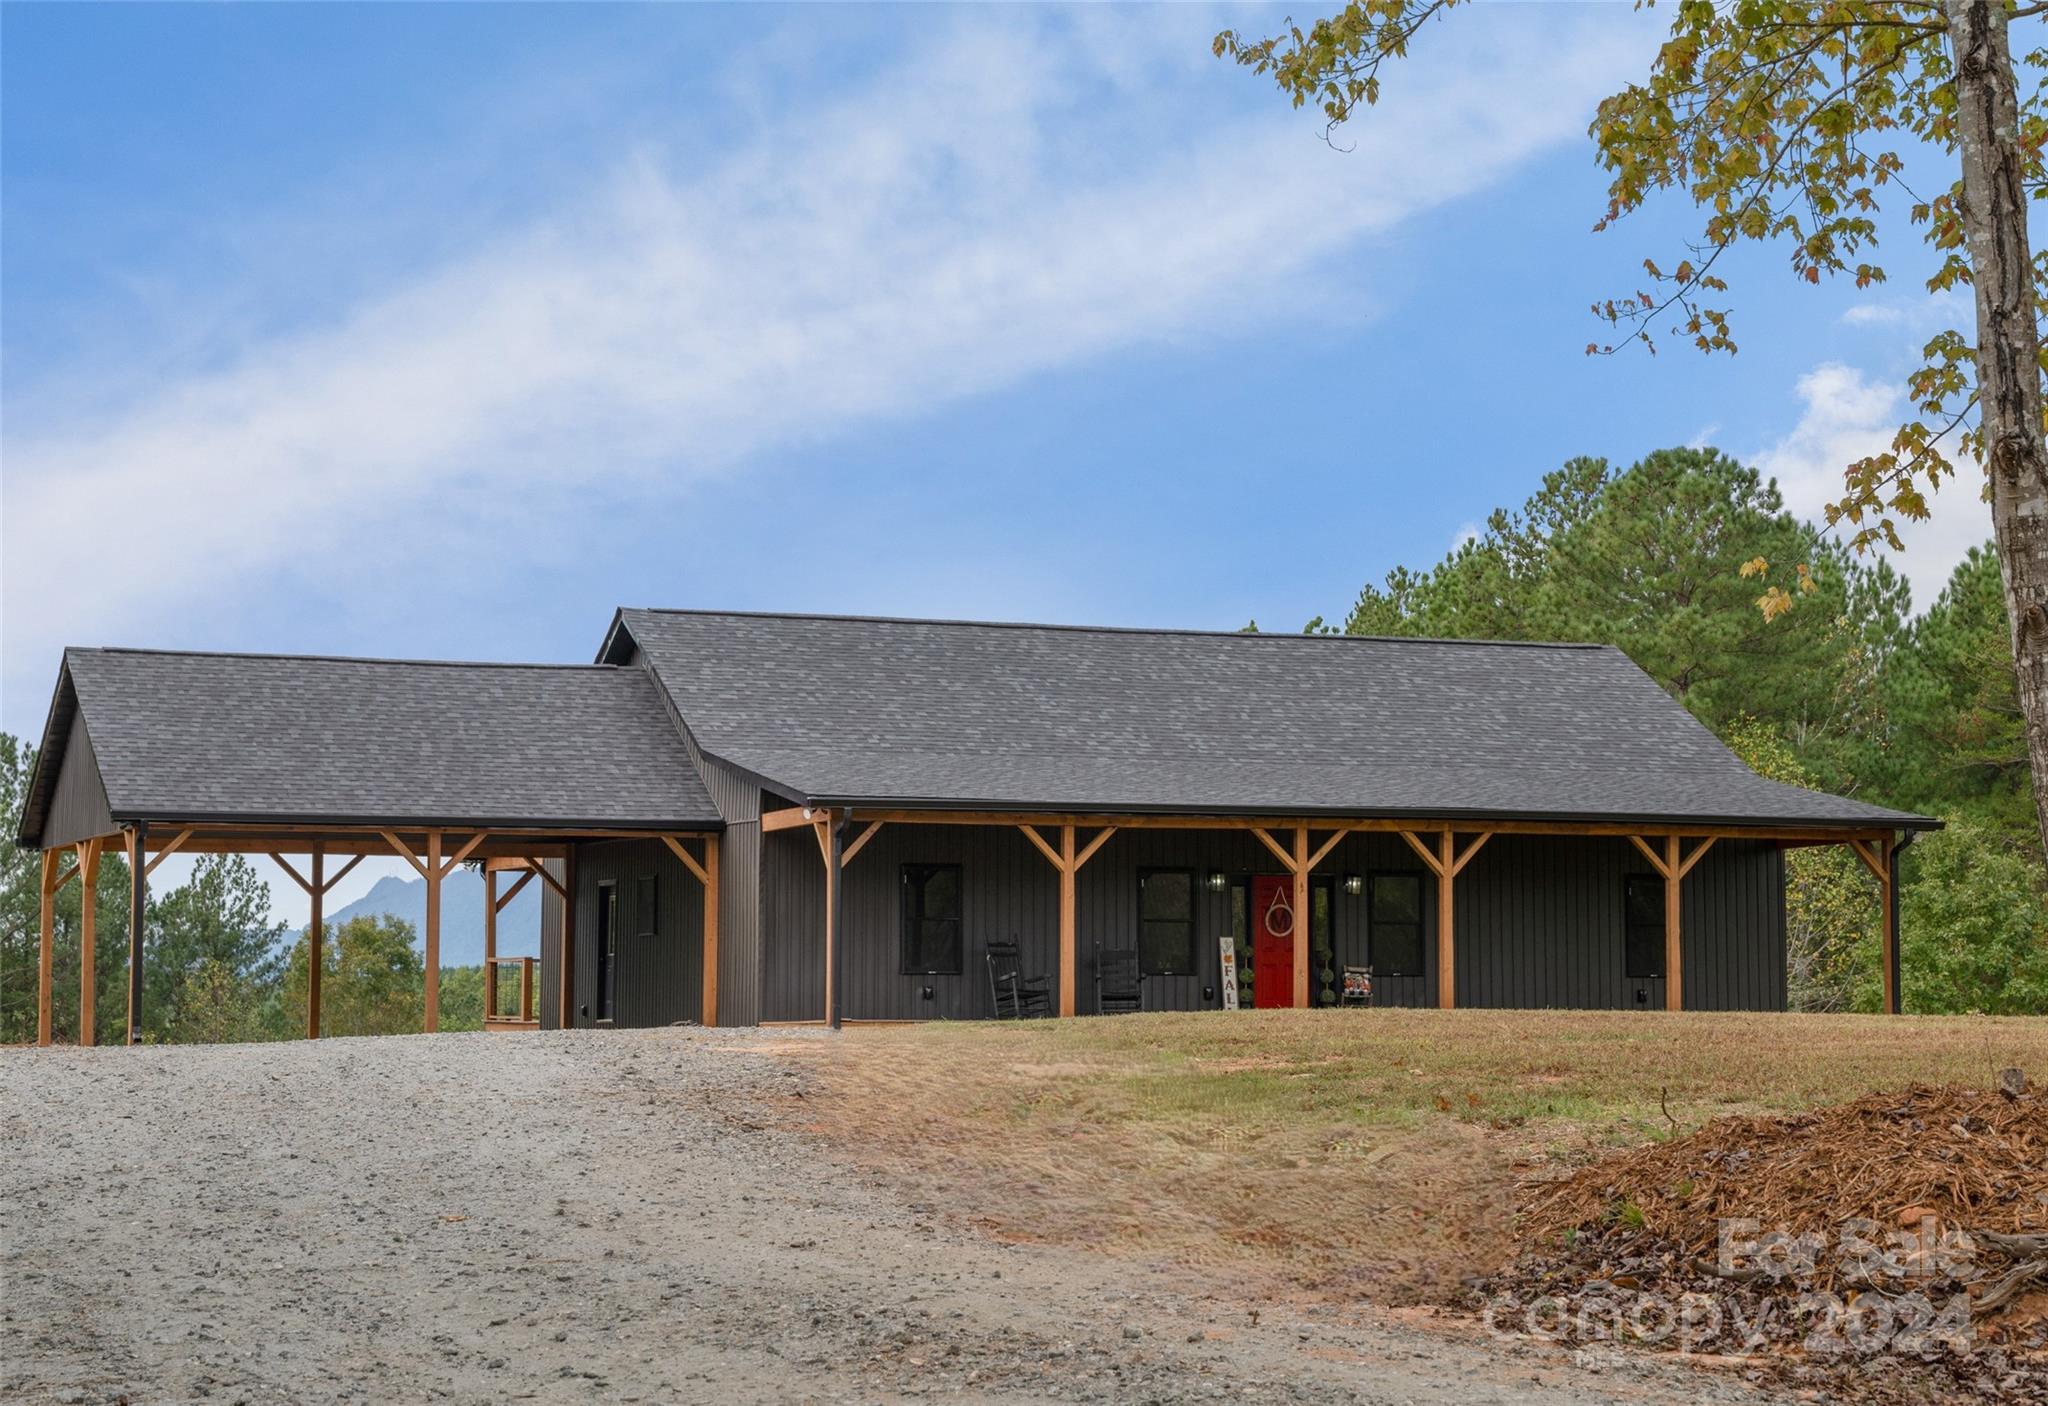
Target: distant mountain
{"type": "Point", "coordinates": [462, 915]}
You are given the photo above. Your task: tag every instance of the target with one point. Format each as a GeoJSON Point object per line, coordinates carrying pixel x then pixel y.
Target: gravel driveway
{"type": "Point", "coordinates": [587, 1217]}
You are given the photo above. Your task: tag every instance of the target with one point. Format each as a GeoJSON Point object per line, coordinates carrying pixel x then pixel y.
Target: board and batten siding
{"type": "Point", "coordinates": [660, 977]}
{"type": "Point", "coordinates": [1539, 920]}
{"type": "Point", "coordinates": [78, 802]}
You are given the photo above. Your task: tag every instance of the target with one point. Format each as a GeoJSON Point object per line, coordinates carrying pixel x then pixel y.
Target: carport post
{"type": "Point", "coordinates": [316, 958]}
{"type": "Point", "coordinates": [88, 978]}
{"type": "Point", "coordinates": [138, 904]}
{"type": "Point", "coordinates": [433, 1021]}
{"type": "Point", "coordinates": [490, 942]}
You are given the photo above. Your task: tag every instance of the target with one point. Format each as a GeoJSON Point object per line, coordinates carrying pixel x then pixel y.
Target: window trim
{"type": "Point", "coordinates": [1372, 950]}
{"type": "Point", "coordinates": [904, 919]}
{"type": "Point", "coordinates": [1630, 928]}
{"type": "Point", "coordinates": [1194, 946]}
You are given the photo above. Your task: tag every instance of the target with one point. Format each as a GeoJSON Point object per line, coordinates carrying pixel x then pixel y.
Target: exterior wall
{"type": "Point", "coordinates": [78, 802]}
{"type": "Point", "coordinates": [739, 891]}
{"type": "Point", "coordinates": [1539, 920]}
{"type": "Point", "coordinates": [738, 800]}
{"type": "Point", "coordinates": [660, 978]}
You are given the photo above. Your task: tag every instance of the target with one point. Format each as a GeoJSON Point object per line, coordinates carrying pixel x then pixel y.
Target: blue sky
{"type": "Point", "coordinates": [442, 330]}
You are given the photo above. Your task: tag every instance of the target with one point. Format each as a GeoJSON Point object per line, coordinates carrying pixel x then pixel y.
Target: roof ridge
{"type": "Point", "coordinates": [345, 659]}
{"type": "Point", "coordinates": [1105, 629]}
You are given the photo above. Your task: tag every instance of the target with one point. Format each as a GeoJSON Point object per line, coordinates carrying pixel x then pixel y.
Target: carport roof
{"type": "Point", "coordinates": [257, 738]}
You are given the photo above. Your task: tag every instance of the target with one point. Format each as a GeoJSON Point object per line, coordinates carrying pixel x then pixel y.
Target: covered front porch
{"type": "Point", "coordinates": [1443, 912]}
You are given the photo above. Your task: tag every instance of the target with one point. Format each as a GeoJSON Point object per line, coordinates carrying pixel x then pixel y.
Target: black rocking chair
{"type": "Point", "coordinates": [1119, 985]}
{"type": "Point", "coordinates": [1016, 996]}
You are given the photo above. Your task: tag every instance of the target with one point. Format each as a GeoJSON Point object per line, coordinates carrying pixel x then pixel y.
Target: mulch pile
{"type": "Point", "coordinates": [1891, 1249]}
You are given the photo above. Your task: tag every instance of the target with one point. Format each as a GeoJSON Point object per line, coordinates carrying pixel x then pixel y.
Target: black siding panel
{"type": "Point", "coordinates": [739, 891]}
{"type": "Point", "coordinates": [78, 802]}
{"type": "Point", "coordinates": [660, 977]}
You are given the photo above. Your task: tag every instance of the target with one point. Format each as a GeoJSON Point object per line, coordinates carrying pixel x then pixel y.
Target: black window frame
{"type": "Point", "coordinates": [606, 1006]}
{"type": "Point", "coordinates": [1373, 923]}
{"type": "Point", "coordinates": [1633, 931]}
{"type": "Point", "coordinates": [1193, 953]}
{"type": "Point", "coordinates": [646, 905]}
{"type": "Point", "coordinates": [911, 916]}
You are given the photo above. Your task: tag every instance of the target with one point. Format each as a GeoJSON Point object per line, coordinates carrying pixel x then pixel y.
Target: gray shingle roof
{"type": "Point", "coordinates": [917, 712]}
{"type": "Point", "coordinates": [256, 737]}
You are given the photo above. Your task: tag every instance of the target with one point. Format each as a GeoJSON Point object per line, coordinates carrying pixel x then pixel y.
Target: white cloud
{"type": "Point", "coordinates": [1001, 203]}
{"type": "Point", "coordinates": [1847, 416]}
{"type": "Point", "coordinates": [1917, 313]}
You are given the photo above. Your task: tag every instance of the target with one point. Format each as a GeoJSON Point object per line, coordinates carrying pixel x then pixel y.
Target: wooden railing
{"type": "Point", "coordinates": [522, 1015]}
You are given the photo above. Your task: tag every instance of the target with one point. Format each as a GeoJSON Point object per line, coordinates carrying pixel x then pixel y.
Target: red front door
{"type": "Point", "coordinates": [1272, 918]}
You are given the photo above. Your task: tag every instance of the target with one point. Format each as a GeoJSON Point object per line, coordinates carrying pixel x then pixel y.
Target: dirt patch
{"type": "Point", "coordinates": [1047, 1152]}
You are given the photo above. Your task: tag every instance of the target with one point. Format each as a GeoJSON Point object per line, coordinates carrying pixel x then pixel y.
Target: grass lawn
{"type": "Point", "coordinates": [1332, 1153]}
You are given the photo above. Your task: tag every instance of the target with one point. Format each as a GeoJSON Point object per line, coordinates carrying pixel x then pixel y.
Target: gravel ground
{"type": "Point", "coordinates": [588, 1217]}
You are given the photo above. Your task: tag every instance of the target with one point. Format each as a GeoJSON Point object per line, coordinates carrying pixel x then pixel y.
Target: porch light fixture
{"type": "Point", "coordinates": [1354, 884]}
{"type": "Point", "coordinates": [1218, 881]}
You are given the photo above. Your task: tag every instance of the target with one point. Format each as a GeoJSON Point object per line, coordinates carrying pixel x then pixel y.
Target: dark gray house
{"type": "Point", "coordinates": [746, 818]}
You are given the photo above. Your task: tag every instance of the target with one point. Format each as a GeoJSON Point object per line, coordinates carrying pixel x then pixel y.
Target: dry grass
{"type": "Point", "coordinates": [1335, 1152]}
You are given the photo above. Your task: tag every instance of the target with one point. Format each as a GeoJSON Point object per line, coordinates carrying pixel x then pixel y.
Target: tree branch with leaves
{"type": "Point", "coordinates": [1789, 123]}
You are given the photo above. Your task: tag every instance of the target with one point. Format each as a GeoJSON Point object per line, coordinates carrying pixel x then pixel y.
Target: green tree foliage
{"type": "Point", "coordinates": [218, 1005]}
{"type": "Point", "coordinates": [372, 979]}
{"type": "Point", "coordinates": [462, 998]}
{"type": "Point", "coordinates": [211, 934]}
{"type": "Point", "coordinates": [1975, 927]}
{"type": "Point", "coordinates": [1956, 740]}
{"type": "Point", "coordinates": [1649, 558]}
{"type": "Point", "coordinates": [1831, 900]}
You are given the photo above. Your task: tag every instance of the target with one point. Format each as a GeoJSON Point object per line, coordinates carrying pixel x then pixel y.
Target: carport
{"type": "Point", "coordinates": [321, 762]}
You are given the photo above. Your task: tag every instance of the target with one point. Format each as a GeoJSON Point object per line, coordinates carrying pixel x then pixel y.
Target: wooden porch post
{"type": "Point", "coordinates": [433, 1011]}
{"type": "Point", "coordinates": [88, 878]}
{"type": "Point", "coordinates": [1069, 923]}
{"type": "Point", "coordinates": [1446, 923]}
{"type": "Point", "coordinates": [316, 933]}
{"type": "Point", "coordinates": [1673, 866]}
{"type": "Point", "coordinates": [490, 942]}
{"type": "Point", "coordinates": [46, 961]}
{"type": "Point", "coordinates": [1067, 861]}
{"type": "Point", "coordinates": [835, 970]}
{"type": "Point", "coordinates": [138, 908]}
{"type": "Point", "coordinates": [1301, 917]}
{"type": "Point", "coordinates": [1674, 946]}
{"type": "Point", "coordinates": [1881, 857]}
{"type": "Point", "coordinates": [708, 1014]}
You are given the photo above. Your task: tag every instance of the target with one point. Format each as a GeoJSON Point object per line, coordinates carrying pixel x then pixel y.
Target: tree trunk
{"type": "Point", "coordinates": [1994, 209]}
